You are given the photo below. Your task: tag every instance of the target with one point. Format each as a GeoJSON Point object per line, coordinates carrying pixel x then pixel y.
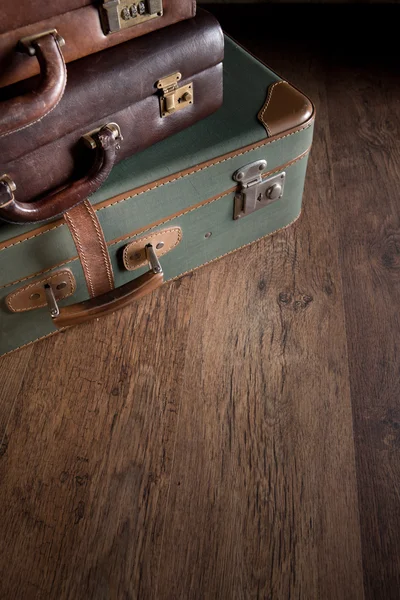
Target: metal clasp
{"type": "Point", "coordinates": [10, 187]}
{"type": "Point", "coordinates": [173, 97]}
{"type": "Point", "coordinates": [256, 192]}
{"type": "Point", "coordinates": [26, 44]}
{"type": "Point", "coordinates": [90, 137]}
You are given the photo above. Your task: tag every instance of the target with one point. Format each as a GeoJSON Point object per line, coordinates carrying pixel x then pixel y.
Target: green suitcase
{"type": "Point", "coordinates": [220, 185]}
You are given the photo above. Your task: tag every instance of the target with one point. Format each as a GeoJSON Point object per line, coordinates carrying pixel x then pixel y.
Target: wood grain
{"type": "Point", "coordinates": [367, 183]}
{"type": "Point", "coordinates": [235, 435]}
{"type": "Point", "coordinates": [263, 500]}
{"type": "Point", "coordinates": [90, 444]}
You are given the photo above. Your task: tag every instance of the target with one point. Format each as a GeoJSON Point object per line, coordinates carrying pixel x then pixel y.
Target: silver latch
{"type": "Point", "coordinates": [256, 192]}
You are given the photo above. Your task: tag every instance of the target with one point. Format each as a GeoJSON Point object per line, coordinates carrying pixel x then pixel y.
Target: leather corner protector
{"type": "Point", "coordinates": [284, 108]}
{"type": "Point", "coordinates": [32, 296]}
{"type": "Point", "coordinates": [134, 255]}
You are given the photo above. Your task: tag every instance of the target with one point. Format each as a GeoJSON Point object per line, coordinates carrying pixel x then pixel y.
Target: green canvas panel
{"type": "Point", "coordinates": [231, 129]}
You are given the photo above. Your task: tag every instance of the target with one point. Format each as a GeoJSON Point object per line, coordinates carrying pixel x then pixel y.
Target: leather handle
{"type": "Point", "coordinates": [108, 302]}
{"type": "Point", "coordinates": [22, 111]}
{"type": "Point", "coordinates": [66, 197]}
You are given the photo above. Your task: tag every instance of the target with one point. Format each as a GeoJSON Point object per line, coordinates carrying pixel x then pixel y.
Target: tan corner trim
{"type": "Point", "coordinates": [159, 183]}
{"type": "Point", "coordinates": [285, 108]}
{"type": "Point", "coordinates": [142, 230]}
{"type": "Point", "coordinates": [163, 240]}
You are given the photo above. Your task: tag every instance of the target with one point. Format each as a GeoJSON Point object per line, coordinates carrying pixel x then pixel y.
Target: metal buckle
{"type": "Point", "coordinates": [256, 192]}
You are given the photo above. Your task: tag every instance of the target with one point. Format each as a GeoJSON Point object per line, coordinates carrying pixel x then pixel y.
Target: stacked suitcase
{"type": "Point", "coordinates": [197, 177]}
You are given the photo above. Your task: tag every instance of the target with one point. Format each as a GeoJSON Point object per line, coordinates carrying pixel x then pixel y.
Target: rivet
{"type": "Point", "coordinates": [34, 296]}
{"type": "Point", "coordinates": [61, 285]}
{"type": "Point", "coordinates": [208, 234]}
{"type": "Point", "coordinates": [240, 175]}
{"type": "Point", "coordinates": [125, 14]}
{"type": "Point", "coordinates": [160, 245]}
{"type": "Point", "coordinates": [133, 10]}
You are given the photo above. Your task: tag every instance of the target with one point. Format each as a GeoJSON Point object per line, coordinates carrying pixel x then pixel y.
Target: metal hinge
{"type": "Point", "coordinates": [173, 97]}
{"type": "Point", "coordinates": [121, 14]}
{"type": "Point", "coordinates": [256, 192]}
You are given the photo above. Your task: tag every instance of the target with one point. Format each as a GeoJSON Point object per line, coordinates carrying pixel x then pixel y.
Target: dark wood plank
{"type": "Point", "coordinates": [84, 480]}
{"type": "Point", "coordinates": [12, 372]}
{"type": "Point", "coordinates": [364, 110]}
{"type": "Point", "coordinates": [263, 499]}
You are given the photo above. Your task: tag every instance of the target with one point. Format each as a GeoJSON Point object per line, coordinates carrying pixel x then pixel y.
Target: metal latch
{"type": "Point", "coordinates": [256, 192]}
{"type": "Point", "coordinates": [90, 137]}
{"type": "Point", "coordinates": [173, 97]}
{"type": "Point", "coordinates": [121, 14]}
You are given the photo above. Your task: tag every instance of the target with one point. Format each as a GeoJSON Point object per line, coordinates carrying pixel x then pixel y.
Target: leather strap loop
{"type": "Point", "coordinates": [22, 111]}
{"type": "Point", "coordinates": [89, 240]}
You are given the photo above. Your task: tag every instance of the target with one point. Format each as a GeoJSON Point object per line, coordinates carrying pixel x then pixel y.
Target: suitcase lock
{"type": "Point", "coordinates": [174, 98]}
{"type": "Point", "coordinates": [255, 191]}
{"type": "Point", "coordinates": [121, 14]}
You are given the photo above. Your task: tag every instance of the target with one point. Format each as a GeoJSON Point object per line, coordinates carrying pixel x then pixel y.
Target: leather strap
{"type": "Point", "coordinates": [89, 240]}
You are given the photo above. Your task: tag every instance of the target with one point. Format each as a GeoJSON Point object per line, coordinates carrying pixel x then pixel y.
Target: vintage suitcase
{"type": "Point", "coordinates": [33, 31]}
{"type": "Point", "coordinates": [118, 102]}
{"type": "Point", "coordinates": [222, 184]}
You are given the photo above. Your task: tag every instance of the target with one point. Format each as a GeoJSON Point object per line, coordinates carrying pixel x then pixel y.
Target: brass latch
{"type": "Point", "coordinates": [121, 14]}
{"type": "Point", "coordinates": [174, 98]}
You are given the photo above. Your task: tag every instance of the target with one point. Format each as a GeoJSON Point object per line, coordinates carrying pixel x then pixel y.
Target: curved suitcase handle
{"type": "Point", "coordinates": [102, 305]}
{"type": "Point", "coordinates": [54, 204]}
{"type": "Point", "coordinates": [22, 111]}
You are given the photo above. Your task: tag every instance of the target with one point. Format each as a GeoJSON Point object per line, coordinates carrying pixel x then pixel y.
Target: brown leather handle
{"type": "Point", "coordinates": [108, 302]}
{"type": "Point", "coordinates": [22, 111]}
{"type": "Point", "coordinates": [66, 197]}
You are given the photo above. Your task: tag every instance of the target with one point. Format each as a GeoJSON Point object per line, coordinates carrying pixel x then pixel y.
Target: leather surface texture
{"type": "Point", "coordinates": [285, 108]}
{"type": "Point", "coordinates": [32, 296]}
{"type": "Point", "coordinates": [77, 21]}
{"type": "Point", "coordinates": [92, 249]}
{"type": "Point", "coordinates": [19, 112]}
{"type": "Point", "coordinates": [163, 241]}
{"type": "Point", "coordinates": [117, 85]}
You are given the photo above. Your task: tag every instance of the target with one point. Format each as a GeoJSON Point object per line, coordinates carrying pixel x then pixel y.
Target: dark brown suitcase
{"type": "Point", "coordinates": [87, 26]}
{"type": "Point", "coordinates": [118, 101]}
{"type": "Point", "coordinates": [39, 36]}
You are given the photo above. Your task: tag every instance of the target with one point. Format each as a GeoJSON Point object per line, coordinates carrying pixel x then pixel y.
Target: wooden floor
{"type": "Point", "coordinates": [237, 434]}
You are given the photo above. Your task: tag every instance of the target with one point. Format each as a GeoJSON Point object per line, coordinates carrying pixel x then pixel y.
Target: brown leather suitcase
{"type": "Point", "coordinates": [33, 31]}
{"type": "Point", "coordinates": [117, 102]}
